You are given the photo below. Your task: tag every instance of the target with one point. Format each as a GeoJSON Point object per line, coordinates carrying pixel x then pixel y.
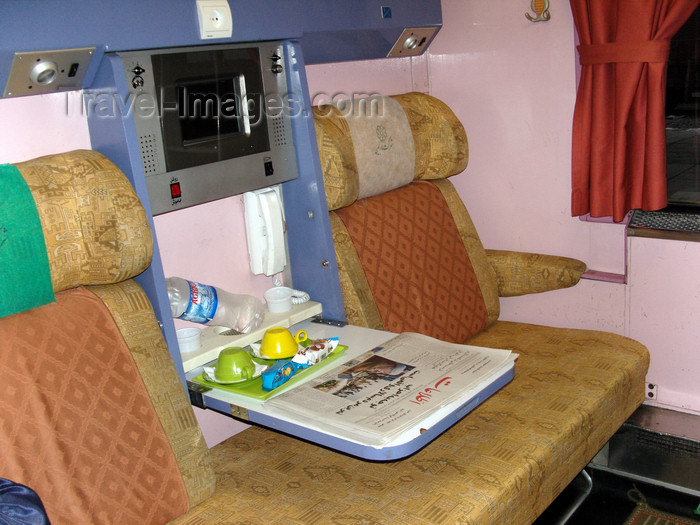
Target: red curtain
{"type": "Point", "coordinates": [619, 129]}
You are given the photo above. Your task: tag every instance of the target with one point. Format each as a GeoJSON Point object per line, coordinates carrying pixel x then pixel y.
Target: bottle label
{"type": "Point", "coordinates": [202, 304]}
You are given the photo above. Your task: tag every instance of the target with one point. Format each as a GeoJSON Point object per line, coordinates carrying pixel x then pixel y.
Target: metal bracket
{"type": "Point", "coordinates": [239, 412]}
{"type": "Point", "coordinates": [196, 392]}
{"type": "Point", "coordinates": [330, 322]}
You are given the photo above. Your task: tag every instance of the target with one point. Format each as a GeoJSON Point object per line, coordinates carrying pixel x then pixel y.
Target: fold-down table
{"type": "Point", "coordinates": [311, 426]}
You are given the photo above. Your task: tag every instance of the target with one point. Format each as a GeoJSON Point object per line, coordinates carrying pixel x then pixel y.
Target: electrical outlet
{"type": "Point", "coordinates": [652, 390]}
{"type": "Point", "coordinates": [215, 19]}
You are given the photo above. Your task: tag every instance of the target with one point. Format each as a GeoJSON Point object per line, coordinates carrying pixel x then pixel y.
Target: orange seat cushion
{"type": "Point", "coordinates": [417, 269]}
{"type": "Point", "coordinates": [76, 422]}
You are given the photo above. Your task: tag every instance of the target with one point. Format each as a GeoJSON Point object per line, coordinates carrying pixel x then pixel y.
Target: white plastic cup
{"type": "Point", "coordinates": [189, 339]}
{"type": "Point", "coordinates": [279, 299]}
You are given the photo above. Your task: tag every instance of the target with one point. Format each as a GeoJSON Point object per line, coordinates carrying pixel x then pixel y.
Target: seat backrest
{"type": "Point", "coordinates": [93, 414]}
{"type": "Point", "coordinates": [408, 253]}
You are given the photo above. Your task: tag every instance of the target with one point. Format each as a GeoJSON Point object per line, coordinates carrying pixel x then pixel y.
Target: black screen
{"type": "Point", "coordinates": [208, 109]}
{"type": "Point", "coordinates": [200, 95]}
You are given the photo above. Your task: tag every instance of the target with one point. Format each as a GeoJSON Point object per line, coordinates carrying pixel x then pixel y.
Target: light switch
{"type": "Point", "coordinates": [215, 19]}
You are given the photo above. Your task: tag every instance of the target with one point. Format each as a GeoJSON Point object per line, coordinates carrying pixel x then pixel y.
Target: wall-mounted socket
{"type": "Point", "coordinates": [652, 390]}
{"type": "Point", "coordinates": [215, 20]}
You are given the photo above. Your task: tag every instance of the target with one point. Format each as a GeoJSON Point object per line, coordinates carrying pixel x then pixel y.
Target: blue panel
{"type": "Point", "coordinates": [115, 137]}
{"type": "Point", "coordinates": [34, 25]}
{"type": "Point", "coordinates": [29, 25]}
{"type": "Point", "coordinates": [312, 255]}
{"type": "Point", "coordinates": [328, 31]}
{"type": "Point", "coordinates": [54, 24]}
{"type": "Point", "coordinates": [343, 45]}
{"type": "Point", "coordinates": [113, 134]}
{"type": "Point", "coordinates": [339, 31]}
{"type": "Point", "coordinates": [367, 14]}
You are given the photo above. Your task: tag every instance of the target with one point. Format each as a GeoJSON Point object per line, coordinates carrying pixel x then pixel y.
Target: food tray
{"type": "Point", "coordinates": [253, 388]}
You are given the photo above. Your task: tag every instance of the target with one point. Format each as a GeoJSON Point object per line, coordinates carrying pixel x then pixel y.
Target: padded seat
{"type": "Point", "coordinates": [509, 458]}
{"type": "Point", "coordinates": [93, 415]}
{"type": "Point", "coordinates": [504, 463]}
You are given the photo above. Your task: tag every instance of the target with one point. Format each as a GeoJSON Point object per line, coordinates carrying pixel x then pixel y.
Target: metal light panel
{"type": "Point", "coordinates": [39, 72]}
{"type": "Point", "coordinates": [413, 41]}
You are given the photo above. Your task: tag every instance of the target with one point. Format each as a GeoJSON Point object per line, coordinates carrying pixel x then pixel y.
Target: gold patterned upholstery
{"type": "Point", "coordinates": [507, 460]}
{"type": "Point", "coordinates": [97, 234]}
{"type": "Point", "coordinates": [338, 162]}
{"type": "Point", "coordinates": [441, 150]}
{"type": "Point", "coordinates": [439, 138]}
{"type": "Point", "coordinates": [521, 273]}
{"type": "Point", "coordinates": [417, 271]}
{"type": "Point", "coordinates": [95, 228]}
{"type": "Point", "coordinates": [77, 424]}
{"type": "Point", "coordinates": [472, 243]}
{"type": "Point", "coordinates": [360, 307]}
{"type": "Point", "coordinates": [137, 323]}
{"type": "Point", "coordinates": [502, 464]}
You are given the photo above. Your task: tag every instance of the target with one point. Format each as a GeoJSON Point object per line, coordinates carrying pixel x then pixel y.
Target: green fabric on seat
{"type": "Point", "coordinates": [25, 278]}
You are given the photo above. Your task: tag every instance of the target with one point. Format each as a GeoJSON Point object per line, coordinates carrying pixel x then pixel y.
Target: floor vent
{"type": "Point", "coordinates": [657, 446]}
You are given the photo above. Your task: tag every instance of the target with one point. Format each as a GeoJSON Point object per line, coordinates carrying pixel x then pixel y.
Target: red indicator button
{"type": "Point", "coordinates": [175, 191]}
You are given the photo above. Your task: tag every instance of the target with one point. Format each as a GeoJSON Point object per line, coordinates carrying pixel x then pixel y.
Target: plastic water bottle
{"type": "Point", "coordinates": [205, 304]}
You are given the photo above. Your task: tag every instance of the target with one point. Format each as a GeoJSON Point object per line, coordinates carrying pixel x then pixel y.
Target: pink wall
{"type": "Point", "coordinates": [41, 125]}
{"type": "Point", "coordinates": [663, 306]}
{"type": "Point", "coordinates": [512, 83]}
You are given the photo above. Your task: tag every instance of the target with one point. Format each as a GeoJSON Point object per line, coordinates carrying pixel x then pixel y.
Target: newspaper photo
{"type": "Point", "coordinates": [393, 387]}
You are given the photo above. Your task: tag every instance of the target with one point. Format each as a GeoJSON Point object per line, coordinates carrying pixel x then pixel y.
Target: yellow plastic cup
{"type": "Point", "coordinates": [279, 343]}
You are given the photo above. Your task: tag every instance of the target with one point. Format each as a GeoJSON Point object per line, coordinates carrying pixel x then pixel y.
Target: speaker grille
{"type": "Point", "coordinates": [149, 154]}
{"type": "Point", "coordinates": [280, 131]}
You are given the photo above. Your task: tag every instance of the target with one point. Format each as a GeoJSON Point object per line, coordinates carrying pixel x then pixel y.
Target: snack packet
{"type": "Point", "coordinates": [279, 373]}
{"type": "Point", "coordinates": [315, 352]}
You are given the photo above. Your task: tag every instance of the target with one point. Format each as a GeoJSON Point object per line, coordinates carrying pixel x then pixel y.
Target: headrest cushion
{"type": "Point", "coordinates": [95, 228]}
{"type": "Point", "coordinates": [383, 144]}
{"type": "Point", "coordinates": [442, 149]}
{"type": "Point", "coordinates": [372, 145]}
{"type": "Point", "coordinates": [338, 163]}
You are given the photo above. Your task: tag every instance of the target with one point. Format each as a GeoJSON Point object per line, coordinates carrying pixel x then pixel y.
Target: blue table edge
{"type": "Point", "coordinates": [368, 452]}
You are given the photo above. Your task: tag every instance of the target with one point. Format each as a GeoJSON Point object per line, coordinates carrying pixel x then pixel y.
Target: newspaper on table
{"type": "Point", "coordinates": [392, 388]}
